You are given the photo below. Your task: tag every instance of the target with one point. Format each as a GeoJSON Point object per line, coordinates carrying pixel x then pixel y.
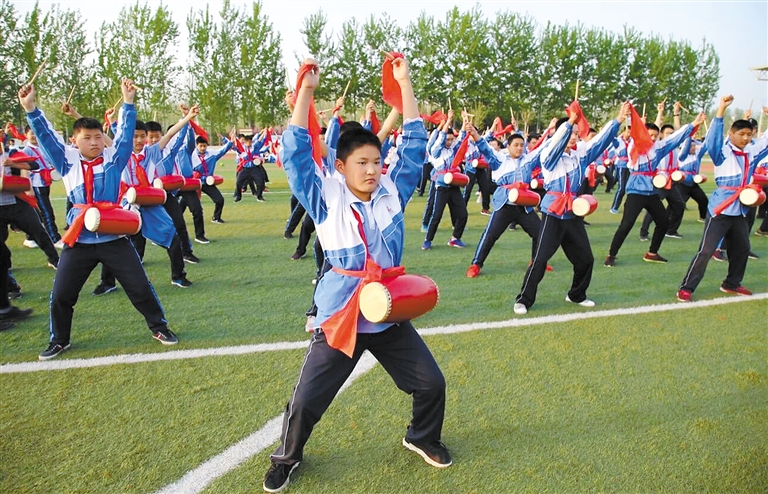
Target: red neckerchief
{"type": "Point", "coordinates": [341, 328]}
{"type": "Point", "coordinates": [201, 157]}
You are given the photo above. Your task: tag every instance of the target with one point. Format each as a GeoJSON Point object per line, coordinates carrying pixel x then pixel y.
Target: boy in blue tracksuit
{"type": "Point", "coordinates": [641, 194]}
{"type": "Point", "coordinates": [430, 177]}
{"type": "Point", "coordinates": [147, 163]}
{"type": "Point", "coordinates": [564, 169]}
{"type": "Point", "coordinates": [204, 166]}
{"type": "Point", "coordinates": [248, 166]}
{"type": "Point", "coordinates": [444, 151]}
{"type": "Point", "coordinates": [621, 170]}
{"type": "Point", "coordinates": [91, 176]}
{"type": "Point", "coordinates": [506, 170]}
{"type": "Point", "coordinates": [41, 185]}
{"type": "Point", "coordinates": [360, 223]}
{"type": "Point", "coordinates": [691, 155]}
{"type": "Point", "coordinates": [190, 199]}
{"type": "Point", "coordinates": [735, 161]}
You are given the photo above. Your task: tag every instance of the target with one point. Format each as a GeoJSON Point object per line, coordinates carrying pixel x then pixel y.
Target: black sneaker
{"type": "Point", "coordinates": [296, 256]}
{"type": "Point", "coordinates": [610, 262]}
{"type": "Point", "coordinates": [217, 221]}
{"type": "Point", "coordinates": [643, 238]}
{"type": "Point", "coordinates": [753, 256]}
{"type": "Point", "coordinates": [166, 337]}
{"type": "Point", "coordinates": [53, 351]}
{"type": "Point", "coordinates": [191, 258]}
{"type": "Point", "coordinates": [278, 476]}
{"type": "Point", "coordinates": [434, 453]}
{"type": "Point", "coordinates": [673, 235]}
{"type": "Point", "coordinates": [104, 289]}
{"type": "Point", "coordinates": [238, 199]}
{"type": "Point", "coordinates": [202, 240]}
{"type": "Point", "coordinates": [182, 282]}
{"type": "Point", "coordinates": [15, 314]}
{"type": "Point", "coordinates": [4, 326]}
{"type": "Point", "coordinates": [287, 235]}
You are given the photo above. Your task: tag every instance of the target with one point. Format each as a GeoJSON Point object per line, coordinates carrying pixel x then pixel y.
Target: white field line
{"type": "Point", "coordinates": [136, 358]}
{"type": "Point", "coordinates": [197, 480]}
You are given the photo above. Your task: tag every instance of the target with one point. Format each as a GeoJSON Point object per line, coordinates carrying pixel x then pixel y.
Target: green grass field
{"type": "Point", "coordinates": [669, 402]}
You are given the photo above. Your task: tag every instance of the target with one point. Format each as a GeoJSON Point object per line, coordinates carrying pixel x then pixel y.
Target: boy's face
{"type": "Point", "coordinates": [667, 132]}
{"type": "Point", "coordinates": [494, 145]}
{"type": "Point", "coordinates": [654, 134]}
{"type": "Point", "coordinates": [590, 136]}
{"type": "Point", "coordinates": [362, 171]}
{"type": "Point", "coordinates": [154, 136]}
{"type": "Point", "coordinates": [533, 141]}
{"type": "Point", "coordinates": [139, 139]}
{"type": "Point", "coordinates": [515, 148]}
{"type": "Point", "coordinates": [31, 137]}
{"type": "Point", "coordinates": [740, 138]}
{"type": "Point", "coordinates": [202, 147]}
{"type": "Point", "coordinates": [574, 138]}
{"type": "Point", "coordinates": [449, 140]}
{"type": "Point", "coordinates": [90, 142]}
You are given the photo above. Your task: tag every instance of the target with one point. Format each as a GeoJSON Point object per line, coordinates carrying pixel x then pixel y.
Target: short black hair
{"type": "Point", "coordinates": [741, 124]}
{"type": "Point", "coordinates": [153, 126]}
{"type": "Point", "coordinates": [560, 122]}
{"type": "Point", "coordinates": [354, 139]}
{"type": "Point", "coordinates": [534, 135]}
{"type": "Point", "coordinates": [201, 140]}
{"type": "Point", "coordinates": [592, 131]}
{"type": "Point", "coordinates": [665, 127]}
{"type": "Point", "coordinates": [513, 137]}
{"type": "Point", "coordinates": [349, 125]}
{"type": "Point", "coordinates": [247, 138]}
{"type": "Point", "coordinates": [652, 126]}
{"type": "Point", "coordinates": [496, 141]}
{"type": "Point", "coordinates": [140, 126]}
{"type": "Point", "coordinates": [450, 132]}
{"type": "Point", "coordinates": [27, 128]}
{"type": "Point", "coordinates": [86, 123]}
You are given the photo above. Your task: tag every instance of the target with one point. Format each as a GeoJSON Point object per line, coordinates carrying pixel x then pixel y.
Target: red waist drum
{"type": "Point", "coordinates": [191, 185]}
{"type": "Point", "coordinates": [14, 184]}
{"type": "Point", "coordinates": [456, 179]}
{"type": "Point", "coordinates": [752, 195]}
{"type": "Point", "coordinates": [584, 205]}
{"type": "Point", "coordinates": [601, 169]}
{"type": "Point", "coordinates": [55, 175]}
{"type": "Point", "coordinates": [398, 299]}
{"type": "Point", "coordinates": [759, 179]}
{"type": "Point", "coordinates": [145, 196]}
{"type": "Point", "coordinates": [678, 176]}
{"type": "Point", "coordinates": [213, 180]}
{"type": "Point", "coordinates": [537, 183]}
{"type": "Point", "coordinates": [699, 178]}
{"type": "Point", "coordinates": [169, 182]}
{"type": "Point", "coordinates": [660, 180]}
{"type": "Point", "coordinates": [112, 221]}
{"type": "Point", "coordinates": [524, 197]}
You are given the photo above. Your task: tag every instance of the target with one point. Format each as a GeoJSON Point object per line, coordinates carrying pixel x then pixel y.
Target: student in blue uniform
{"type": "Point", "coordinates": [91, 175]}
{"type": "Point", "coordinates": [360, 222]}
{"type": "Point", "coordinates": [204, 165]}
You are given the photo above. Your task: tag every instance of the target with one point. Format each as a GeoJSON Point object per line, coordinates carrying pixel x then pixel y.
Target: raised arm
{"type": "Point", "coordinates": [126, 122]}
{"type": "Point", "coordinates": [192, 113]}
{"type": "Point", "coordinates": [51, 143]}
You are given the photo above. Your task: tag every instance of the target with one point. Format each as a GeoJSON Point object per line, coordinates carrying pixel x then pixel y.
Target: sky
{"type": "Point", "coordinates": [737, 29]}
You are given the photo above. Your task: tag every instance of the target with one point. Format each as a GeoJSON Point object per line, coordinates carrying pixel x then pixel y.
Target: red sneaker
{"type": "Point", "coordinates": [473, 271]}
{"type": "Point", "coordinates": [550, 268]}
{"type": "Point", "coordinates": [683, 295]}
{"type": "Point", "coordinates": [740, 290]}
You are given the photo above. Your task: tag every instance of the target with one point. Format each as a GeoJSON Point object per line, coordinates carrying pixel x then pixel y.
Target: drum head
{"type": "Point", "coordinates": [375, 302]}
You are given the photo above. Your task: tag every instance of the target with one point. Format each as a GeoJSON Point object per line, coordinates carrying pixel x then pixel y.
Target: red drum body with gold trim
{"type": "Point", "coordinates": [169, 182]}
{"type": "Point", "coordinates": [145, 196]}
{"type": "Point", "coordinates": [398, 299]}
{"type": "Point", "coordinates": [699, 178]}
{"type": "Point", "coordinates": [213, 180]}
{"type": "Point", "coordinates": [524, 197]}
{"type": "Point", "coordinates": [191, 185]}
{"type": "Point", "coordinates": [14, 184]}
{"type": "Point", "coordinates": [112, 221]}
{"type": "Point", "coordinates": [752, 195]}
{"type": "Point", "coordinates": [584, 205]}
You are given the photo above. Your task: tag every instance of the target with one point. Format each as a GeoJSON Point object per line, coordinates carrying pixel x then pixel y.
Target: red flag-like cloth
{"type": "Point", "coordinates": [198, 130]}
{"type": "Point", "coordinates": [582, 124]}
{"type": "Point", "coordinates": [460, 154]}
{"type": "Point", "coordinates": [389, 86]}
{"type": "Point", "coordinates": [435, 118]}
{"type": "Point", "coordinates": [16, 134]}
{"type": "Point", "coordinates": [497, 125]}
{"type": "Point", "coordinates": [313, 127]}
{"type": "Point", "coordinates": [509, 129]}
{"type": "Point", "coordinates": [375, 124]}
{"type": "Point", "coordinates": [641, 139]}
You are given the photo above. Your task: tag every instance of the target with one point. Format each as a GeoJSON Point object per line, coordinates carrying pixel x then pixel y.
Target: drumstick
{"type": "Point", "coordinates": [387, 54]}
{"type": "Point", "coordinates": [577, 90]}
{"type": "Point", "coordinates": [137, 88]}
{"type": "Point", "coordinates": [118, 102]}
{"type": "Point", "coordinates": [511, 114]}
{"type": "Point", "coordinates": [643, 110]}
{"type": "Point", "coordinates": [70, 95]}
{"type": "Point", "coordinates": [346, 89]}
{"type": "Point", "coordinates": [450, 107]}
{"type": "Point", "coordinates": [37, 72]}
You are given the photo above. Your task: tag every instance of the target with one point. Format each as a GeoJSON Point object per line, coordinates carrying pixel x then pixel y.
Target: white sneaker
{"type": "Point", "coordinates": [310, 326]}
{"type": "Point", "coordinates": [30, 244]}
{"type": "Point", "coordinates": [584, 303]}
{"type": "Point", "coordinates": [59, 245]}
{"type": "Point", "coordinates": [520, 309]}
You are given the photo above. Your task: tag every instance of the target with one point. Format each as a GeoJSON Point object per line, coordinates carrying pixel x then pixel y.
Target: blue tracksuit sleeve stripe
{"type": "Point", "coordinates": [51, 144]}
{"type": "Point", "coordinates": [332, 133]}
{"type": "Point", "coordinates": [489, 154]}
{"type": "Point", "coordinates": [123, 143]}
{"type": "Point", "coordinates": [714, 141]}
{"type": "Point", "coordinates": [602, 140]}
{"type": "Point", "coordinates": [410, 159]}
{"type": "Point", "coordinates": [555, 147]}
{"type": "Point", "coordinates": [302, 172]}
